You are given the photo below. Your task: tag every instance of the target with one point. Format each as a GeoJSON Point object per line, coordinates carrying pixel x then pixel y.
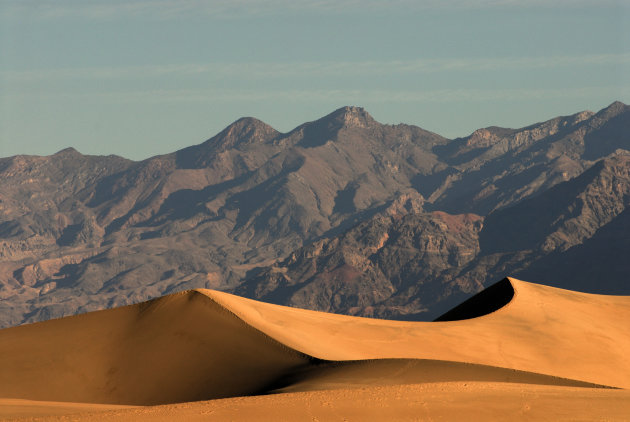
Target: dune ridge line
{"type": "Point", "coordinates": [203, 344]}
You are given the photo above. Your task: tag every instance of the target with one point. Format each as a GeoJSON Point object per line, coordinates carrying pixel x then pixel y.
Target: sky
{"type": "Point", "coordinates": [139, 78]}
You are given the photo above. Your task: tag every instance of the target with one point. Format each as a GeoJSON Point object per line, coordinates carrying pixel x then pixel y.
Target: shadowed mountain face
{"type": "Point", "coordinates": [341, 214]}
{"type": "Point", "coordinates": [391, 266]}
{"type": "Point", "coordinates": [574, 235]}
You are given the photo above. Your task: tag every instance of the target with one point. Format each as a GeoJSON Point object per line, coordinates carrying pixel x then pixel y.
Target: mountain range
{"type": "Point", "coordinates": [343, 214]}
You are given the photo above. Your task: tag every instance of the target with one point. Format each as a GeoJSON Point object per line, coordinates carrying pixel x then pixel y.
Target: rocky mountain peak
{"type": "Point", "coordinates": [613, 110]}
{"type": "Point", "coordinates": [67, 152]}
{"type": "Point", "coordinates": [616, 105]}
{"type": "Point", "coordinates": [246, 130]}
{"type": "Point", "coordinates": [247, 133]}
{"type": "Point", "coordinates": [351, 116]}
{"type": "Point", "coordinates": [580, 117]}
{"type": "Point", "coordinates": [482, 138]}
{"type": "Point", "coordinates": [318, 132]}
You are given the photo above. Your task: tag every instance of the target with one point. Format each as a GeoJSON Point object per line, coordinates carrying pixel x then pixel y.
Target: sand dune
{"type": "Point", "coordinates": [181, 347]}
{"type": "Point", "coordinates": [541, 329]}
{"type": "Point", "coordinates": [384, 372]}
{"type": "Point", "coordinates": [204, 345]}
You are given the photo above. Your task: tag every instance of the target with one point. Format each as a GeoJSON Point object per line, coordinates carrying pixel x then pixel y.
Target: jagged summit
{"type": "Point", "coordinates": [318, 132]}
{"type": "Point", "coordinates": [351, 116]}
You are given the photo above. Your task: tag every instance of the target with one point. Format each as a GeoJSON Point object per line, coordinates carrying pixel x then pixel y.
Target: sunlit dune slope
{"type": "Point", "coordinates": [205, 344]}
{"type": "Point", "coordinates": [384, 372]}
{"type": "Point", "coordinates": [541, 329]}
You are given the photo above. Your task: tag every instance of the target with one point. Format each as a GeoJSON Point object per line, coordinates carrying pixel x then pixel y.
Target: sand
{"type": "Point", "coordinates": [542, 329]}
{"type": "Point", "coordinates": [540, 354]}
{"type": "Point", "coordinates": [453, 401]}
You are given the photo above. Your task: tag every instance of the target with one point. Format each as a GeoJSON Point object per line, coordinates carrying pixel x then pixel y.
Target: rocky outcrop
{"type": "Point", "coordinates": [375, 267]}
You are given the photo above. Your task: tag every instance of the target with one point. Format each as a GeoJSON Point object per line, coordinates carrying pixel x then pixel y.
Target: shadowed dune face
{"type": "Point", "coordinates": [487, 301]}
{"type": "Point", "coordinates": [181, 347]}
{"type": "Point", "coordinates": [206, 345]}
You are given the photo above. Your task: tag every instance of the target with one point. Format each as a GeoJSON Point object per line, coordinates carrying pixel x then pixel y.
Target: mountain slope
{"type": "Point", "coordinates": [79, 233]}
{"type": "Point", "coordinates": [496, 167]}
{"type": "Point", "coordinates": [202, 216]}
{"type": "Point", "coordinates": [548, 235]}
{"type": "Point", "coordinates": [400, 266]}
{"type": "Point", "coordinates": [418, 265]}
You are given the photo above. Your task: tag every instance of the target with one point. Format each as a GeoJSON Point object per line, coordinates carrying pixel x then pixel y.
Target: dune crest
{"type": "Point", "coordinates": [180, 347]}
{"type": "Point", "coordinates": [539, 329]}
{"type": "Point", "coordinates": [490, 300]}
{"type": "Point", "coordinates": [204, 344]}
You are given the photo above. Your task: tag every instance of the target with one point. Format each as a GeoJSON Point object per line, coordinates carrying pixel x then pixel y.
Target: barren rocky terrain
{"type": "Point", "coordinates": [342, 214]}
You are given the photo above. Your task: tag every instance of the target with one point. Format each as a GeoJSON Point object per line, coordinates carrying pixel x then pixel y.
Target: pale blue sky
{"type": "Point", "coordinates": [138, 78]}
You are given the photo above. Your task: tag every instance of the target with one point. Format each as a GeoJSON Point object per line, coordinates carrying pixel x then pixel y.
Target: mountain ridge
{"type": "Point", "coordinates": [81, 232]}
